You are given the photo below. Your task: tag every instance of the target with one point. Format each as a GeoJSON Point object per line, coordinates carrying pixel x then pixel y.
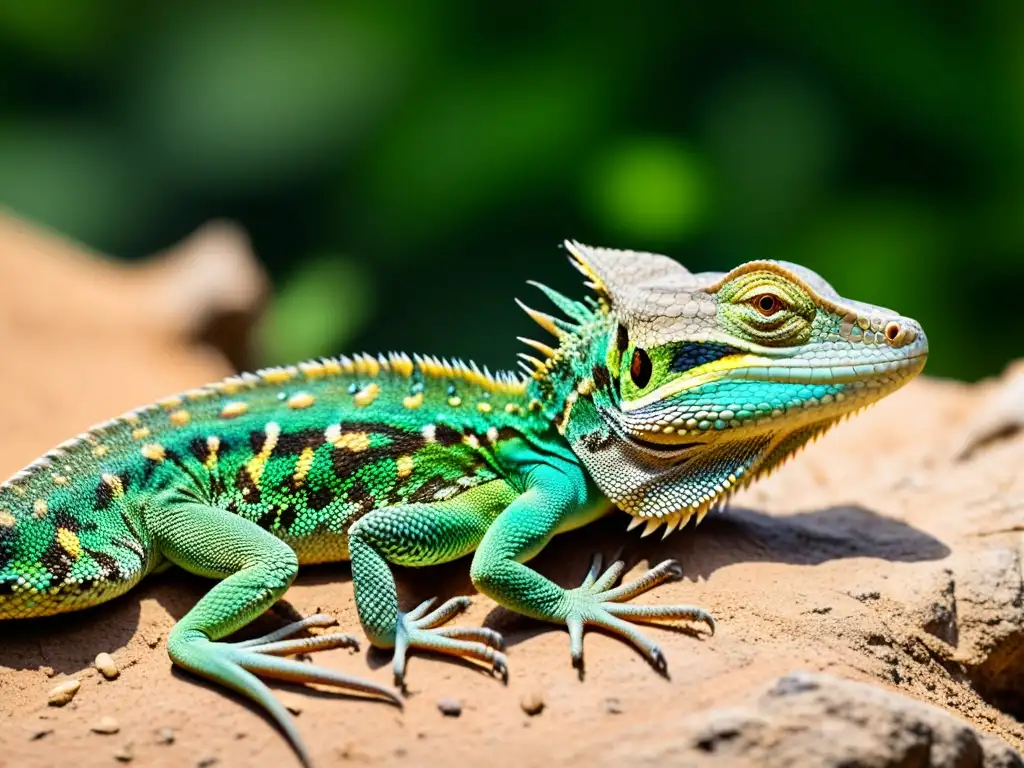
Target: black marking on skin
{"type": "Point", "coordinates": [360, 496]}
{"type": "Point", "coordinates": [57, 562]}
{"type": "Point", "coordinates": [602, 378]}
{"type": "Point", "coordinates": [104, 495]}
{"type": "Point", "coordinates": [267, 519]}
{"type": "Point", "coordinates": [425, 493]}
{"type": "Point", "coordinates": [597, 441]}
{"type": "Point", "coordinates": [61, 519]}
{"type": "Point", "coordinates": [243, 483]}
{"type": "Point", "coordinates": [320, 498]}
{"type": "Point", "coordinates": [7, 538]}
{"type": "Point", "coordinates": [217, 487]}
{"type": "Point", "coordinates": [287, 516]}
{"type": "Point", "coordinates": [447, 436]}
{"type": "Point", "coordinates": [696, 353]}
{"type": "Point", "coordinates": [7, 585]}
{"type": "Point", "coordinates": [199, 449]}
{"type": "Point", "coordinates": [232, 507]}
{"type": "Point", "coordinates": [109, 565]}
{"type": "Point", "coordinates": [293, 443]}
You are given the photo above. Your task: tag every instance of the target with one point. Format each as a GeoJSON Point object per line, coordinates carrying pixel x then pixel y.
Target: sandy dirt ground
{"type": "Point", "coordinates": [881, 555]}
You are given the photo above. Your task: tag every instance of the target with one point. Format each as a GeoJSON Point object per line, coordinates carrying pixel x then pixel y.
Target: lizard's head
{"type": "Point", "coordinates": [676, 388]}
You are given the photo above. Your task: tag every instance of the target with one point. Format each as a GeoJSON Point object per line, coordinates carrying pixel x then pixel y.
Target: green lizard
{"type": "Point", "coordinates": [666, 392]}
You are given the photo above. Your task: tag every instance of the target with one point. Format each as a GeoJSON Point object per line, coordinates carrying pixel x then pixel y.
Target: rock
{"type": "Point", "coordinates": [805, 720]}
{"type": "Point", "coordinates": [532, 703]}
{"type": "Point", "coordinates": [39, 732]}
{"type": "Point", "coordinates": [106, 726]}
{"type": "Point", "coordinates": [164, 736]}
{"type": "Point", "coordinates": [126, 754]}
{"type": "Point", "coordinates": [63, 693]}
{"type": "Point", "coordinates": [449, 707]}
{"type": "Point", "coordinates": [612, 706]}
{"type": "Point", "coordinates": [106, 666]}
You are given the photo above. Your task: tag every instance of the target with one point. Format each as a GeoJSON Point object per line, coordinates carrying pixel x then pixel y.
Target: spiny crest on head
{"type": "Point", "coordinates": [621, 279]}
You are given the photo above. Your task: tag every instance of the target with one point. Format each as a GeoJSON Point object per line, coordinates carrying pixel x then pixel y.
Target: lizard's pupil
{"type": "Point", "coordinates": [767, 304]}
{"type": "Point", "coordinates": [640, 368]}
{"type": "Point", "coordinates": [622, 338]}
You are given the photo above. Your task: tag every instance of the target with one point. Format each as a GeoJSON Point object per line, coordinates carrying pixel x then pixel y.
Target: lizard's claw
{"type": "Point", "coordinates": [597, 603]}
{"type": "Point", "coordinates": [420, 629]}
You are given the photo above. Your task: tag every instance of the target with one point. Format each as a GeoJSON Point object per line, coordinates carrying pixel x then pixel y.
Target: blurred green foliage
{"type": "Point", "coordinates": [404, 167]}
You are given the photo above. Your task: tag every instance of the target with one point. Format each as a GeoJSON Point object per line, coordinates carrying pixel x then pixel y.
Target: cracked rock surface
{"type": "Point", "coordinates": [868, 594]}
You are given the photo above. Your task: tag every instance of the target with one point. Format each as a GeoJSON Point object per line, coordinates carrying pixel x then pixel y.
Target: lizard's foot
{"type": "Point", "coordinates": [596, 603]}
{"type": "Point", "coordinates": [236, 664]}
{"type": "Point", "coordinates": [420, 629]}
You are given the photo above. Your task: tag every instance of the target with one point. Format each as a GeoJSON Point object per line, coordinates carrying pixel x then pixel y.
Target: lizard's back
{"type": "Point", "coordinates": [302, 451]}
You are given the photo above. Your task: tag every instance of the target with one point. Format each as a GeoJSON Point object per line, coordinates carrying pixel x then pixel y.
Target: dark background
{"type": "Point", "coordinates": [404, 167]}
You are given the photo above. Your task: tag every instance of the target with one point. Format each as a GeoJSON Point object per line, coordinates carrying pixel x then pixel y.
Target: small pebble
{"type": "Point", "coordinates": [292, 704]}
{"type": "Point", "coordinates": [450, 707]}
{"type": "Point", "coordinates": [106, 666]}
{"type": "Point", "coordinates": [613, 706]}
{"type": "Point", "coordinates": [107, 726]}
{"type": "Point", "coordinates": [206, 762]}
{"type": "Point", "coordinates": [125, 755]}
{"type": "Point", "coordinates": [165, 736]}
{"type": "Point", "coordinates": [532, 703]}
{"type": "Point", "coordinates": [41, 732]}
{"type": "Point", "coordinates": [63, 693]}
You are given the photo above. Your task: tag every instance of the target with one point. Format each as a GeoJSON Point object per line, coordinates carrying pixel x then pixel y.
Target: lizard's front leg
{"type": "Point", "coordinates": [418, 535]}
{"type": "Point", "coordinates": [554, 494]}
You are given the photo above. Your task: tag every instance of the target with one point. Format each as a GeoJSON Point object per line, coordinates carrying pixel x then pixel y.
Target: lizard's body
{"type": "Point", "coordinates": [664, 395]}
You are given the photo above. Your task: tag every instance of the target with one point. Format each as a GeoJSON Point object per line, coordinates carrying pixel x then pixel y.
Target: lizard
{"type": "Point", "coordinates": [665, 392]}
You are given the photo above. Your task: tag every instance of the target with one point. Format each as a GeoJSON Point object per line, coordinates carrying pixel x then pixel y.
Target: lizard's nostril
{"type": "Point", "coordinates": [893, 332]}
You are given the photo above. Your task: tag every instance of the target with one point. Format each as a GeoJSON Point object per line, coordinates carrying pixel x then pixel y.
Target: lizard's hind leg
{"type": "Point", "coordinates": [256, 568]}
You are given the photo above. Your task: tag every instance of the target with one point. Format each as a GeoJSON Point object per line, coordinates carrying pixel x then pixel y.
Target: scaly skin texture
{"type": "Point", "coordinates": [666, 392]}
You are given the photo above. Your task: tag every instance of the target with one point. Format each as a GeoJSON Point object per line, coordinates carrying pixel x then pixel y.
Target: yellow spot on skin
{"type": "Point", "coordinates": [153, 451]}
{"type": "Point", "coordinates": [141, 433]}
{"type": "Point", "coordinates": [585, 387]}
{"type": "Point", "coordinates": [303, 465]}
{"type": "Point", "coordinates": [233, 409]}
{"type": "Point", "coordinates": [332, 367]}
{"type": "Point", "coordinates": [455, 401]}
{"type": "Point", "coordinates": [301, 400]}
{"type": "Point", "coordinates": [492, 434]}
{"type": "Point", "coordinates": [40, 508]}
{"type": "Point", "coordinates": [69, 542]}
{"type": "Point", "coordinates": [100, 450]}
{"type": "Point", "coordinates": [535, 405]}
{"type": "Point", "coordinates": [511, 408]}
{"type": "Point", "coordinates": [213, 446]}
{"type": "Point", "coordinates": [472, 441]}
{"type": "Point", "coordinates": [115, 485]}
{"type": "Point", "coordinates": [60, 479]}
{"type": "Point", "coordinates": [483, 407]}
{"type": "Point", "coordinates": [366, 395]}
{"type": "Point", "coordinates": [354, 441]}
{"type": "Point", "coordinates": [413, 401]}
{"type": "Point", "coordinates": [180, 417]}
{"type": "Point", "coordinates": [258, 463]}
{"type": "Point", "coordinates": [405, 465]}
{"type": "Point", "coordinates": [169, 402]}
{"type": "Point", "coordinates": [6, 519]}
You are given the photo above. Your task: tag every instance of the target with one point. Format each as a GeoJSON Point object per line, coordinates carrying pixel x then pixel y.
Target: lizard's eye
{"type": "Point", "coordinates": [640, 368]}
{"type": "Point", "coordinates": [767, 304]}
